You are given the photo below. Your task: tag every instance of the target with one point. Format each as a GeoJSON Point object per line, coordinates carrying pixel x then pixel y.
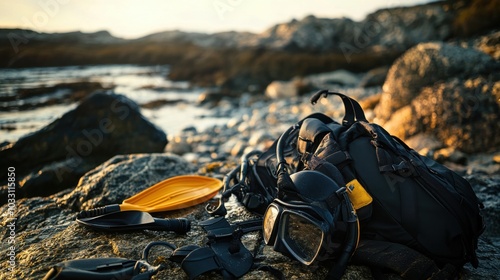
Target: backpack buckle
{"type": "Point", "coordinates": [403, 168]}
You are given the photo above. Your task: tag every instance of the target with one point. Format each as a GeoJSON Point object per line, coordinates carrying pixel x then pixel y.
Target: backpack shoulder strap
{"type": "Point", "coordinates": [353, 111]}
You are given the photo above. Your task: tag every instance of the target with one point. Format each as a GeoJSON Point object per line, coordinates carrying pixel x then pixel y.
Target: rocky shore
{"type": "Point", "coordinates": [442, 97]}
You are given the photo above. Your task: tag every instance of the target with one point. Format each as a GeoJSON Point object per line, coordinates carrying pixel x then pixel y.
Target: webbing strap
{"type": "Point", "coordinates": [201, 261]}
{"type": "Point", "coordinates": [225, 252]}
{"type": "Point", "coordinates": [407, 192]}
{"type": "Point", "coordinates": [400, 259]}
{"type": "Point", "coordinates": [409, 212]}
{"type": "Point", "coordinates": [353, 111]}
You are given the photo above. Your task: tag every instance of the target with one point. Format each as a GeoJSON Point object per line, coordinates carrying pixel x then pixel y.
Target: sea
{"type": "Point", "coordinates": [141, 84]}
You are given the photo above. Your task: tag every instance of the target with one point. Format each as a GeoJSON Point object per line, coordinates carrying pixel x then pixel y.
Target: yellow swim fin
{"type": "Point", "coordinates": [171, 194]}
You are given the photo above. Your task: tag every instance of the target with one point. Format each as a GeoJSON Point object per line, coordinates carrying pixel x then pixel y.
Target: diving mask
{"type": "Point", "coordinates": [297, 230]}
{"type": "Point", "coordinates": [315, 226]}
{"type": "Point", "coordinates": [312, 218]}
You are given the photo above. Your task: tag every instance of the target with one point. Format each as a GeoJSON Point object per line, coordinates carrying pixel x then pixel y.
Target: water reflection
{"type": "Point", "coordinates": [142, 84]}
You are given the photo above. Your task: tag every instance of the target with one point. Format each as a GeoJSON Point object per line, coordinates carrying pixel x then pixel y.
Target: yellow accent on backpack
{"type": "Point", "coordinates": [358, 195]}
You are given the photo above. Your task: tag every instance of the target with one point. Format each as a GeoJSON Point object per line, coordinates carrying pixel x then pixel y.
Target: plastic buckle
{"type": "Point", "coordinates": [403, 169]}
{"type": "Point", "coordinates": [253, 201]}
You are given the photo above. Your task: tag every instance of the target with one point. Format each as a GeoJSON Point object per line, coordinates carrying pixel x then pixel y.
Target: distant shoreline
{"type": "Point", "coordinates": [235, 61]}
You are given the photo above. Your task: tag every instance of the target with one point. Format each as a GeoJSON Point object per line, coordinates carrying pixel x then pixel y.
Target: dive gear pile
{"type": "Point", "coordinates": [402, 199]}
{"type": "Point", "coordinates": [326, 191]}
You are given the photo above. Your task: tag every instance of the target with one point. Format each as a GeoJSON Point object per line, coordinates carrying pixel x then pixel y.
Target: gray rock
{"type": "Point", "coordinates": [462, 114]}
{"type": "Point", "coordinates": [374, 77]}
{"type": "Point", "coordinates": [423, 142]}
{"type": "Point", "coordinates": [259, 137]}
{"type": "Point", "coordinates": [450, 155]}
{"type": "Point", "coordinates": [55, 157]}
{"type": "Point", "coordinates": [487, 188]}
{"type": "Point", "coordinates": [281, 89]}
{"type": "Point", "coordinates": [496, 158]}
{"type": "Point", "coordinates": [335, 78]}
{"type": "Point", "coordinates": [424, 65]}
{"type": "Point", "coordinates": [403, 27]}
{"type": "Point", "coordinates": [212, 98]}
{"type": "Point", "coordinates": [400, 123]}
{"type": "Point", "coordinates": [121, 177]}
{"type": "Point", "coordinates": [310, 33]}
{"type": "Point", "coordinates": [35, 181]}
{"type": "Point", "coordinates": [179, 146]}
{"type": "Point", "coordinates": [230, 145]}
{"type": "Point", "coordinates": [482, 164]}
{"type": "Point", "coordinates": [490, 44]}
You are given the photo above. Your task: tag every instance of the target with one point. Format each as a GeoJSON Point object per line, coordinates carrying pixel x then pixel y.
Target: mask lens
{"type": "Point", "coordinates": [269, 222]}
{"type": "Point", "coordinates": [302, 236]}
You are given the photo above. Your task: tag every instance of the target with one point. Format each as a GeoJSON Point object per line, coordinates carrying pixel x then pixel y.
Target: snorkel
{"type": "Point", "coordinates": [310, 193]}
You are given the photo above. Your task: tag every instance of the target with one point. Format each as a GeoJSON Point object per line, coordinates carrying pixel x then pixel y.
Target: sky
{"type": "Point", "coordinates": [136, 18]}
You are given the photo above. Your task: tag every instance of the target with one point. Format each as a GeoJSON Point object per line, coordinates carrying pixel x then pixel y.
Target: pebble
{"type": "Point", "coordinates": [496, 158]}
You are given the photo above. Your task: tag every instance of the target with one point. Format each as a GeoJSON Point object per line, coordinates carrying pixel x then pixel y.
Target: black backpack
{"type": "Point", "coordinates": [400, 196]}
{"type": "Point", "coordinates": [412, 200]}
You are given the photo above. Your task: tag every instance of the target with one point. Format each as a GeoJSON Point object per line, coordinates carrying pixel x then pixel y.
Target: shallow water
{"type": "Point", "coordinates": [139, 83]}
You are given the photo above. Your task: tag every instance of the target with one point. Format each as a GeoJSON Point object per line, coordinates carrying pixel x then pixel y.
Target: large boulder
{"type": "Point", "coordinates": [424, 65]}
{"type": "Point", "coordinates": [281, 89]}
{"type": "Point", "coordinates": [461, 114]}
{"type": "Point", "coordinates": [121, 177]}
{"type": "Point", "coordinates": [54, 158]}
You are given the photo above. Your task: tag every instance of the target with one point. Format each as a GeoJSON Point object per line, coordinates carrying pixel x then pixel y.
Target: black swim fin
{"type": "Point", "coordinates": [134, 220]}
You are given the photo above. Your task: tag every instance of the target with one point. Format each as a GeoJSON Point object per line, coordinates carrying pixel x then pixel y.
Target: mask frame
{"type": "Point", "coordinates": [278, 222]}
